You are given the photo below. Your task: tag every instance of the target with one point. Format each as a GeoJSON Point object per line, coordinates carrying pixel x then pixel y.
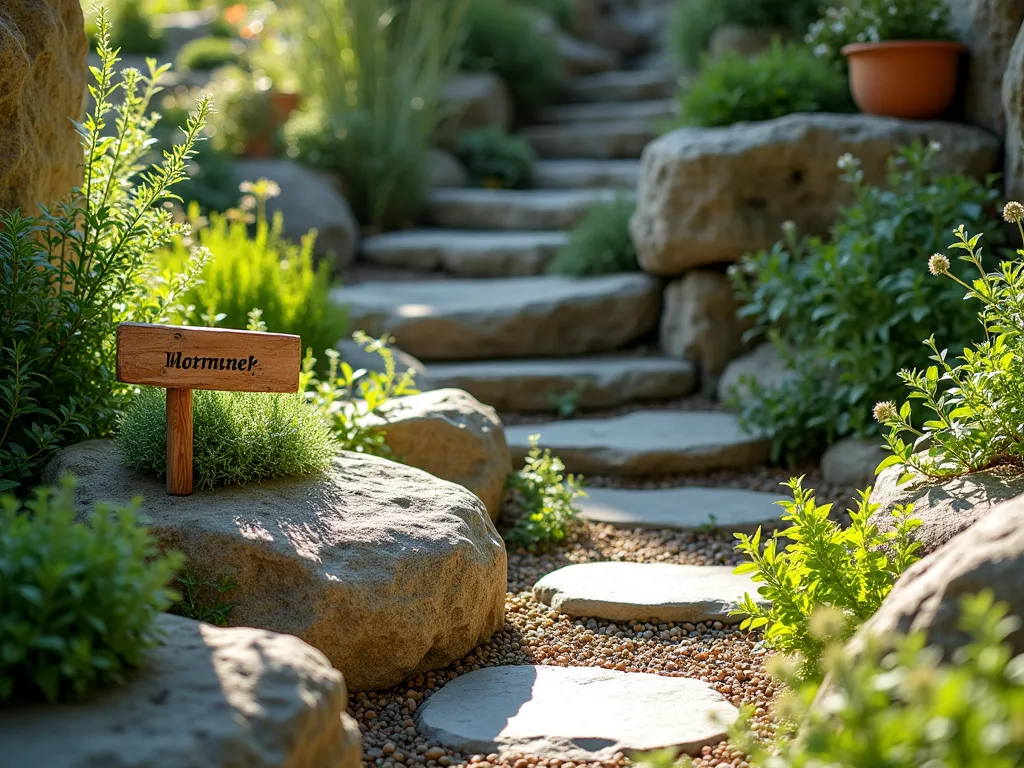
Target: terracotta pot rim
{"type": "Point", "coordinates": [855, 48]}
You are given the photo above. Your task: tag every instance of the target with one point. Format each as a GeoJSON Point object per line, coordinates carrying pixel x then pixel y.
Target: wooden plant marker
{"type": "Point", "coordinates": [183, 358]}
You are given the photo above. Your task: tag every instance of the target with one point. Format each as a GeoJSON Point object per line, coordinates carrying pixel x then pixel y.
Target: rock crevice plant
{"type": "Point", "coordinates": [545, 496]}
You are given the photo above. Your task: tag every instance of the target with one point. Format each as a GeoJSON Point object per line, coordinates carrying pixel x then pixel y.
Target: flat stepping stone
{"type": "Point", "coordinates": [601, 139]}
{"type": "Point", "coordinates": [462, 252]}
{"type": "Point", "coordinates": [656, 592]}
{"type": "Point", "coordinates": [623, 85]}
{"type": "Point", "coordinates": [660, 109]}
{"type": "Point", "coordinates": [531, 209]}
{"type": "Point", "coordinates": [585, 174]}
{"type": "Point", "coordinates": [655, 442]}
{"type": "Point", "coordinates": [542, 316]}
{"type": "Point", "coordinates": [600, 382]}
{"type": "Point", "coordinates": [682, 509]}
{"type": "Point", "coordinates": [574, 713]}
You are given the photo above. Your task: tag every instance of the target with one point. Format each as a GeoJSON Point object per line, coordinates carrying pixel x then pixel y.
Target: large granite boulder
{"type": "Point", "coordinates": [206, 696]}
{"type": "Point", "coordinates": [42, 89]}
{"type": "Point", "coordinates": [852, 462]}
{"type": "Point", "coordinates": [384, 568]}
{"type": "Point", "coordinates": [474, 100]}
{"type": "Point", "coordinates": [451, 435]}
{"type": "Point", "coordinates": [946, 508]}
{"type": "Point", "coordinates": [763, 365]}
{"type": "Point", "coordinates": [709, 195]}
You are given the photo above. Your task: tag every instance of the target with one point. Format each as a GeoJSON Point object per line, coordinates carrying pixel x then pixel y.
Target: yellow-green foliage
{"type": "Point", "coordinates": [546, 497]}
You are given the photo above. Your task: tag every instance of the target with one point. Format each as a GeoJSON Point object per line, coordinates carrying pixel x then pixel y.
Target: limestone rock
{"type": "Point", "coordinates": [1013, 111]}
{"type": "Point", "coordinates": [476, 100]}
{"type": "Point", "coordinates": [763, 364]}
{"type": "Point", "coordinates": [699, 323]}
{"type": "Point", "coordinates": [574, 713]}
{"type": "Point", "coordinates": [945, 508]}
{"type": "Point", "coordinates": [42, 89]}
{"type": "Point", "coordinates": [353, 353]}
{"type": "Point", "coordinates": [852, 461]}
{"type": "Point", "coordinates": [582, 173]}
{"type": "Point", "coordinates": [453, 436]}
{"type": "Point", "coordinates": [445, 170]}
{"type": "Point", "coordinates": [308, 200]}
{"type": "Point", "coordinates": [606, 139]}
{"type": "Point", "coordinates": [385, 569]}
{"type": "Point", "coordinates": [520, 209]}
{"type": "Point", "coordinates": [621, 85]}
{"type": "Point", "coordinates": [710, 195]}
{"type": "Point", "coordinates": [206, 696]}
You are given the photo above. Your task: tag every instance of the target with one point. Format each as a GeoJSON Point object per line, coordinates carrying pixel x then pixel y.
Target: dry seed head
{"type": "Point", "coordinates": [938, 264]}
{"type": "Point", "coordinates": [1013, 212]}
{"type": "Point", "coordinates": [885, 411]}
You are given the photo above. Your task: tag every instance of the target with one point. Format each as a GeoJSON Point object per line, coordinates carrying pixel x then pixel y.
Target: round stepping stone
{"type": "Point", "coordinates": [657, 442]}
{"type": "Point", "coordinates": [657, 592]}
{"type": "Point", "coordinates": [682, 509]}
{"type": "Point", "coordinates": [574, 713]}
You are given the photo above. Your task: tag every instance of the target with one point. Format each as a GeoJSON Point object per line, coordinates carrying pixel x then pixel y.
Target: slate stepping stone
{"type": "Point", "coordinates": [658, 592]}
{"type": "Point", "coordinates": [574, 713]}
{"type": "Point", "coordinates": [510, 317]}
{"type": "Point", "coordinates": [682, 509]}
{"type": "Point", "coordinates": [600, 382]}
{"type": "Point", "coordinates": [655, 442]}
{"type": "Point", "coordinates": [585, 174]}
{"type": "Point", "coordinates": [464, 252]}
{"type": "Point", "coordinates": [601, 140]}
{"type": "Point", "coordinates": [502, 209]}
{"type": "Point", "coordinates": [660, 109]}
{"type": "Point", "coordinates": [622, 85]}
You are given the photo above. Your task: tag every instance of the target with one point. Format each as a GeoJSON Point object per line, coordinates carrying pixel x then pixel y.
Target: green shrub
{"type": "Point", "coordinates": [238, 437]}
{"type": "Point", "coordinates": [545, 496]}
{"type": "Point", "coordinates": [600, 244]}
{"type": "Point", "coordinates": [71, 274]}
{"type": "Point", "coordinates": [206, 53]}
{"type": "Point", "coordinates": [848, 313]}
{"type": "Point", "coordinates": [872, 21]}
{"type": "Point", "coordinates": [262, 270]}
{"type": "Point", "coordinates": [496, 159]}
{"type": "Point", "coordinates": [76, 601]}
{"type": "Point", "coordinates": [779, 81]}
{"type": "Point", "coordinates": [849, 570]}
{"type": "Point", "coordinates": [893, 704]}
{"type": "Point", "coordinates": [500, 38]}
{"type": "Point", "coordinates": [378, 89]}
{"type": "Point", "coordinates": [132, 30]}
{"type": "Point", "coordinates": [974, 405]}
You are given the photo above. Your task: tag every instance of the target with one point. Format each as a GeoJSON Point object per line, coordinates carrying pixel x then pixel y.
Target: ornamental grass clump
{"type": "Point", "coordinates": [975, 407]}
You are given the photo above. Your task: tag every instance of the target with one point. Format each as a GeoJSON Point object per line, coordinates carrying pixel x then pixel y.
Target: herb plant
{"type": "Point", "coordinates": [70, 275]}
{"type": "Point", "coordinates": [204, 600]}
{"type": "Point", "coordinates": [206, 53]}
{"type": "Point", "coordinates": [600, 244]}
{"type": "Point", "coordinates": [872, 21]}
{"type": "Point", "coordinates": [849, 570]}
{"type": "Point", "coordinates": [77, 601]}
{"type": "Point", "coordinates": [545, 497]}
{"type": "Point", "coordinates": [849, 312]}
{"type": "Point", "coordinates": [496, 158]}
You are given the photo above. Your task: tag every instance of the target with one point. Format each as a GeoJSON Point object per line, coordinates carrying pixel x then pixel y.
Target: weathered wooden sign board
{"type": "Point", "coordinates": [183, 358]}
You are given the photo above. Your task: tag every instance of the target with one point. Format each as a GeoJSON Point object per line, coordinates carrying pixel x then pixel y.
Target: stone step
{"type": "Point", "coordinates": [574, 713]}
{"type": "Point", "coordinates": [654, 592]}
{"type": "Point", "coordinates": [682, 509]}
{"type": "Point", "coordinates": [520, 209]}
{"type": "Point", "coordinates": [603, 140]}
{"type": "Point", "coordinates": [600, 382]}
{"type": "Point", "coordinates": [646, 442]}
{"type": "Point", "coordinates": [585, 174]}
{"type": "Point", "coordinates": [656, 110]}
{"type": "Point", "coordinates": [465, 252]}
{"type": "Point", "coordinates": [540, 316]}
{"type": "Point", "coordinates": [623, 85]}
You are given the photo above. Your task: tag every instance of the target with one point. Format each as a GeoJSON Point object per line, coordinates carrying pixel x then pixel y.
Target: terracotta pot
{"type": "Point", "coordinates": [912, 79]}
{"type": "Point", "coordinates": [282, 104]}
{"type": "Point", "coordinates": [258, 146]}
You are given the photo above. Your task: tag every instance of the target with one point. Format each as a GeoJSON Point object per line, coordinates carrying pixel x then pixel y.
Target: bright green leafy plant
{"type": "Point", "coordinates": [204, 600]}
{"type": "Point", "coordinates": [545, 497]}
{"type": "Point", "coordinates": [782, 80]}
{"type": "Point", "coordinates": [872, 21]}
{"type": "Point", "coordinates": [849, 312]}
{"type": "Point", "coordinates": [238, 437]}
{"type": "Point", "coordinates": [496, 158]}
{"type": "Point", "coordinates": [77, 601]}
{"type": "Point", "coordinates": [71, 274]}
{"type": "Point", "coordinates": [849, 570]}
{"type": "Point", "coordinates": [206, 53]}
{"type": "Point", "coordinates": [600, 244]}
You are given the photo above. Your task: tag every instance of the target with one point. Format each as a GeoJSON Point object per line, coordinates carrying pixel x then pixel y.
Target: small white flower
{"type": "Point", "coordinates": [872, 33]}
{"type": "Point", "coordinates": [821, 50]}
{"type": "Point", "coordinates": [934, 146]}
{"type": "Point", "coordinates": [892, 10]}
{"type": "Point", "coordinates": [838, 27]}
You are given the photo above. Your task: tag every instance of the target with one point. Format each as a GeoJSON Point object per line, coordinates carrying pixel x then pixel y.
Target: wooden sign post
{"type": "Point", "coordinates": [183, 358]}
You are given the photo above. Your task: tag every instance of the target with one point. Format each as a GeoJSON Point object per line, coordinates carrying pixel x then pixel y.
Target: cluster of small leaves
{"type": "Point", "coordinates": [203, 600]}
{"type": "Point", "coordinates": [780, 81]}
{"type": "Point", "coordinates": [848, 313]}
{"type": "Point", "coordinates": [69, 275]}
{"type": "Point", "coordinates": [896, 703]}
{"type": "Point", "coordinates": [850, 570]}
{"type": "Point", "coordinates": [238, 437]}
{"type": "Point", "coordinates": [206, 53]}
{"type": "Point", "coordinates": [349, 399]}
{"type": "Point", "coordinates": [77, 601]}
{"type": "Point", "coordinates": [600, 244]}
{"type": "Point", "coordinates": [545, 497]}
{"type": "Point", "coordinates": [976, 406]}
{"type": "Point", "coordinates": [872, 21]}
{"type": "Point", "coordinates": [496, 159]}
